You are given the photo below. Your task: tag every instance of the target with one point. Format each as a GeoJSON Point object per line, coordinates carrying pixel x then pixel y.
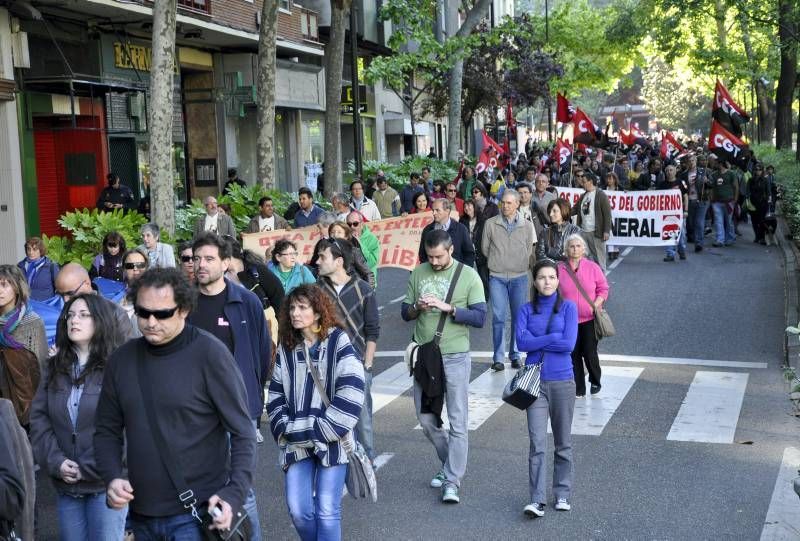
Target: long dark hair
{"type": "Point", "coordinates": [542, 264]}
{"type": "Point", "coordinates": [106, 338]}
{"type": "Point", "coordinates": [320, 303]}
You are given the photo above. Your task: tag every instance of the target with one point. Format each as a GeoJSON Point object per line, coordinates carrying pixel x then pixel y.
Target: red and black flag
{"type": "Point", "coordinates": [586, 131]}
{"type": "Point", "coordinates": [490, 155]}
{"type": "Point", "coordinates": [633, 137]}
{"type": "Point", "coordinates": [670, 147]}
{"type": "Point", "coordinates": [564, 109]}
{"type": "Point", "coordinates": [725, 111]}
{"type": "Point", "coordinates": [561, 153]}
{"type": "Point", "coordinates": [726, 146]}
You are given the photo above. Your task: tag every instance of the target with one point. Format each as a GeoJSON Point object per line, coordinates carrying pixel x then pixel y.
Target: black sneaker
{"type": "Point", "coordinates": [698, 248]}
{"type": "Point", "coordinates": [717, 245]}
{"type": "Point", "coordinates": [594, 389]}
{"type": "Point", "coordinates": [534, 510]}
{"type": "Point", "coordinates": [682, 255]}
{"type": "Point", "coordinates": [669, 259]}
{"type": "Point", "coordinates": [515, 363]}
{"type": "Point", "coordinates": [498, 367]}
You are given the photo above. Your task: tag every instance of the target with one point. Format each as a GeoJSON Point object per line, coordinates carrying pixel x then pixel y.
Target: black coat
{"type": "Point", "coordinates": [463, 249]}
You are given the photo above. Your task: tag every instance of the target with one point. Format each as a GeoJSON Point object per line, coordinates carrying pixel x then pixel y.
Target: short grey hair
{"type": "Point", "coordinates": [152, 228]}
{"type": "Point", "coordinates": [512, 192]}
{"type": "Point", "coordinates": [327, 218]}
{"type": "Point", "coordinates": [446, 203]}
{"type": "Point", "coordinates": [339, 198]}
{"type": "Point", "coordinates": [574, 237]}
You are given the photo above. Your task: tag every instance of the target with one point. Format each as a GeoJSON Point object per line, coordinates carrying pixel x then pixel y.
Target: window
{"type": "Point", "coordinates": [285, 5]}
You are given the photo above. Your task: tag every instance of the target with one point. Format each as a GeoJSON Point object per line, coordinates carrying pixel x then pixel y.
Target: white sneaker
{"type": "Point", "coordinates": [259, 436]}
{"type": "Point", "coordinates": [438, 479]}
{"type": "Point", "coordinates": [534, 510]}
{"type": "Point", "coordinates": [562, 505]}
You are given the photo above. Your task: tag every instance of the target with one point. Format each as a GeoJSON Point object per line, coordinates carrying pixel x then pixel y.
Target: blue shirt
{"type": "Point", "coordinates": [552, 343]}
{"type": "Point", "coordinates": [303, 220]}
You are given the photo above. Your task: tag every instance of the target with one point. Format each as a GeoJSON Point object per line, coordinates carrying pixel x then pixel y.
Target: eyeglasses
{"type": "Point", "coordinates": [579, 176]}
{"type": "Point", "coordinates": [139, 266]}
{"type": "Point", "coordinates": [186, 259]}
{"type": "Point", "coordinates": [30, 248]}
{"type": "Point", "coordinates": [353, 224]}
{"type": "Point", "coordinates": [112, 245]}
{"type": "Point", "coordinates": [78, 315]}
{"type": "Point", "coordinates": [475, 191]}
{"type": "Point", "coordinates": [144, 313]}
{"type": "Point", "coordinates": [69, 294]}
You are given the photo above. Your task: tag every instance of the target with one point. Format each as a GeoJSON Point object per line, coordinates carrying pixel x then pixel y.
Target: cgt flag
{"type": "Point", "coordinates": [586, 131]}
{"type": "Point", "coordinates": [633, 137]}
{"type": "Point", "coordinates": [727, 146]}
{"type": "Point", "coordinates": [561, 153]}
{"type": "Point", "coordinates": [670, 147]}
{"type": "Point", "coordinates": [564, 109]}
{"type": "Point", "coordinates": [725, 111]}
{"type": "Point", "coordinates": [489, 157]}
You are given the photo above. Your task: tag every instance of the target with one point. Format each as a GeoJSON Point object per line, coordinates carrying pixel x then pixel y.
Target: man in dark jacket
{"type": "Point", "coordinates": [235, 316]}
{"type": "Point", "coordinates": [12, 483]}
{"type": "Point", "coordinates": [594, 217]}
{"type": "Point", "coordinates": [463, 249]}
{"type": "Point", "coordinates": [199, 406]}
{"type": "Point", "coordinates": [115, 195]}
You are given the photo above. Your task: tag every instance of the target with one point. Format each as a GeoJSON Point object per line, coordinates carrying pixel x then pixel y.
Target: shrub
{"type": "Point", "coordinates": [787, 176]}
{"type": "Point", "coordinates": [398, 173]}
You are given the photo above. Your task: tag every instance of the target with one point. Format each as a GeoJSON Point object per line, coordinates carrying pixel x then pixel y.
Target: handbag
{"type": "Point", "coordinates": [603, 326]}
{"type": "Point", "coordinates": [240, 529]}
{"type": "Point", "coordinates": [412, 352]}
{"type": "Point", "coordinates": [523, 389]}
{"type": "Point", "coordinates": [360, 480]}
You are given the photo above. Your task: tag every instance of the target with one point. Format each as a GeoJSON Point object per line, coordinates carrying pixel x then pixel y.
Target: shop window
{"type": "Point", "coordinates": [80, 169]}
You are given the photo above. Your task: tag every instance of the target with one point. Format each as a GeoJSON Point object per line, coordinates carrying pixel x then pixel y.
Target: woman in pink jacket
{"type": "Point", "coordinates": [594, 283]}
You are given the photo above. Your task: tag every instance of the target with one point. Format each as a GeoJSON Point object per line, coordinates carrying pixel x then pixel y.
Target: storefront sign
{"type": "Point", "coordinates": [398, 237]}
{"type": "Point", "coordinates": [129, 56]}
{"type": "Point", "coordinates": [647, 218]}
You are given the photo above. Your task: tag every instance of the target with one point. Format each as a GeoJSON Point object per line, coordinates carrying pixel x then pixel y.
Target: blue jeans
{"type": "Point", "coordinates": [364, 426]}
{"type": "Point", "coordinates": [502, 293]}
{"type": "Point", "coordinates": [723, 223]}
{"type": "Point", "coordinates": [314, 498]}
{"type": "Point", "coordinates": [250, 503]}
{"type": "Point", "coordinates": [699, 224]}
{"type": "Point", "coordinates": [183, 527]}
{"type": "Point", "coordinates": [681, 242]}
{"type": "Point", "coordinates": [88, 518]}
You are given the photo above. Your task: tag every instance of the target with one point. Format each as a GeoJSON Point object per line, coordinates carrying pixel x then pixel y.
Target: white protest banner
{"type": "Point", "coordinates": [398, 238]}
{"type": "Point", "coordinates": [647, 218]}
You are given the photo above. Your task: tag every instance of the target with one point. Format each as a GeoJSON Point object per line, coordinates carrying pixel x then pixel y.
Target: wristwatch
{"type": "Point", "coordinates": [453, 310]}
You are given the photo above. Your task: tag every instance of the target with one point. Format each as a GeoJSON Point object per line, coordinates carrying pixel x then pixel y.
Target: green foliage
{"type": "Point", "coordinates": [87, 229]}
{"type": "Point", "coordinates": [398, 173]}
{"type": "Point", "coordinates": [674, 97]}
{"type": "Point", "coordinates": [787, 175]}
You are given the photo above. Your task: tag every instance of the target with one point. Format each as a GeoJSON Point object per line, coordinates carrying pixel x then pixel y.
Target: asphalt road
{"type": "Point", "coordinates": [632, 481]}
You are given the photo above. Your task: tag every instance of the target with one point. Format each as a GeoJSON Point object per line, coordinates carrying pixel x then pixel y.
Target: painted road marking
{"type": "Point", "coordinates": [398, 299]}
{"type": "Point", "coordinates": [593, 412]}
{"type": "Point", "coordinates": [783, 520]}
{"type": "Point", "coordinates": [710, 411]}
{"type": "Point", "coordinates": [607, 357]}
{"type": "Point", "coordinates": [617, 261]}
{"type": "Point", "coordinates": [390, 384]}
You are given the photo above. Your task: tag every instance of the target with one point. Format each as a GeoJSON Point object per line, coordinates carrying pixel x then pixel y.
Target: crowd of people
{"type": "Point", "coordinates": [267, 333]}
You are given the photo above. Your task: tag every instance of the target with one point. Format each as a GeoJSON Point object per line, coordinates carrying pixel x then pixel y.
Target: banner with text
{"type": "Point", "coordinates": [398, 237]}
{"type": "Point", "coordinates": [648, 218]}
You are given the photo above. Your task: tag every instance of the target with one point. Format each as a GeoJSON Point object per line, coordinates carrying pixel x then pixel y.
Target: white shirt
{"type": "Point", "coordinates": [587, 211]}
{"type": "Point", "coordinates": [266, 224]}
{"type": "Point", "coordinates": [211, 223]}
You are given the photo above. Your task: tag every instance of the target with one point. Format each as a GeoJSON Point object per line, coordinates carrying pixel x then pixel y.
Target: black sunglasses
{"type": "Point", "coordinates": [131, 266]}
{"type": "Point", "coordinates": [353, 224]}
{"type": "Point", "coordinates": [186, 258]}
{"type": "Point", "coordinates": [144, 313]}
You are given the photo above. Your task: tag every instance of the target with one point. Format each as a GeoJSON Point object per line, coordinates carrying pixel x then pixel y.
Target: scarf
{"type": "Point", "coordinates": [8, 323]}
{"type": "Point", "coordinates": [32, 267]}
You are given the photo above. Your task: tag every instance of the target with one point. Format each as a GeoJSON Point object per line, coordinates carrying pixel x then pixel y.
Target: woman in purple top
{"type": "Point", "coordinates": [547, 328]}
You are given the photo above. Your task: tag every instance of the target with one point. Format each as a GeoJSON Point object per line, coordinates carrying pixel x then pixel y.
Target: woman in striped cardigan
{"type": "Point", "coordinates": [308, 433]}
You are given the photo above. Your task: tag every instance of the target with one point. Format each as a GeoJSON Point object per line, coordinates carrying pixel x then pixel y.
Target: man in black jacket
{"type": "Point", "coordinates": [463, 249]}
{"type": "Point", "coordinates": [12, 487]}
{"type": "Point", "coordinates": [199, 403]}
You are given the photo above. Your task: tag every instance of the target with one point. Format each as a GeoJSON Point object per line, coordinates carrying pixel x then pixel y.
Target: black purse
{"type": "Point", "coordinates": [240, 529]}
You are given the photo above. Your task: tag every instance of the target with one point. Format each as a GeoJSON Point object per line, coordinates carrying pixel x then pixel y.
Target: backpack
{"type": "Point", "coordinates": [23, 526]}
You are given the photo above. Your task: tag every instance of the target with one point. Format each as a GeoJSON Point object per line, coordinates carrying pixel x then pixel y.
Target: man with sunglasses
{"type": "Point", "coordinates": [357, 309]}
{"type": "Point", "coordinates": [73, 280]}
{"type": "Point", "coordinates": [235, 316]}
{"type": "Point", "coordinates": [593, 210]}
{"type": "Point", "coordinates": [199, 402]}
{"type": "Point", "coordinates": [367, 242]}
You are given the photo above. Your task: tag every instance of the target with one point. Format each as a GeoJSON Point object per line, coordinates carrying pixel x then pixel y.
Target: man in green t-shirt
{"type": "Point", "coordinates": [724, 196]}
{"type": "Point", "coordinates": [425, 303]}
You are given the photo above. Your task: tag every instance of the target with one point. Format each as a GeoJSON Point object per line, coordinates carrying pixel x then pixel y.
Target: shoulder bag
{"type": "Point", "coordinates": [432, 348]}
{"type": "Point", "coordinates": [360, 480]}
{"type": "Point", "coordinates": [523, 389]}
{"type": "Point", "coordinates": [240, 524]}
{"type": "Point", "coordinates": [603, 326]}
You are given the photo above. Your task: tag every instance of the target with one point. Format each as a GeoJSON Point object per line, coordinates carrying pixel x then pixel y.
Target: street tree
{"type": "Point", "coordinates": [265, 140]}
{"type": "Point", "coordinates": [162, 70]}
{"type": "Point", "coordinates": [334, 60]}
{"type": "Point", "coordinates": [674, 96]}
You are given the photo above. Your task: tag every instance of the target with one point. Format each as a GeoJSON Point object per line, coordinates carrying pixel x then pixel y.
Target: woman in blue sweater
{"type": "Point", "coordinates": [547, 328]}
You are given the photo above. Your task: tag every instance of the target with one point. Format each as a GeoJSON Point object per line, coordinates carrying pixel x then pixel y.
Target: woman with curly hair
{"type": "Point", "coordinates": [62, 418]}
{"type": "Point", "coordinates": [309, 433]}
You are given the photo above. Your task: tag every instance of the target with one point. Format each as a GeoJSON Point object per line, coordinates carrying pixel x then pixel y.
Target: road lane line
{"type": "Point", "coordinates": [783, 521]}
{"type": "Point", "coordinates": [485, 397]}
{"type": "Point", "coordinates": [390, 384]}
{"type": "Point", "coordinates": [617, 261]}
{"type": "Point", "coordinates": [398, 299]}
{"type": "Point", "coordinates": [710, 411]}
{"type": "Point", "coordinates": [607, 357]}
{"type": "Point", "coordinates": [593, 413]}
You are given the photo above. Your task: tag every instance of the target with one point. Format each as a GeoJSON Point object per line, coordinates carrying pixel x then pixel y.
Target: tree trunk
{"type": "Point", "coordinates": [787, 29]}
{"type": "Point", "coordinates": [162, 193]}
{"type": "Point", "coordinates": [413, 117]}
{"type": "Point", "coordinates": [265, 140]}
{"type": "Point", "coordinates": [474, 16]}
{"type": "Point", "coordinates": [334, 53]}
{"type": "Point", "coordinates": [766, 106]}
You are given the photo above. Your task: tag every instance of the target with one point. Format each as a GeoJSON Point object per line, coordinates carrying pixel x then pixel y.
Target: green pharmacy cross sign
{"type": "Point", "coordinates": [236, 95]}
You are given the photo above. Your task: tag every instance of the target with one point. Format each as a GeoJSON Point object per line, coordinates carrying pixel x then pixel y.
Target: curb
{"type": "Point", "coordinates": [791, 259]}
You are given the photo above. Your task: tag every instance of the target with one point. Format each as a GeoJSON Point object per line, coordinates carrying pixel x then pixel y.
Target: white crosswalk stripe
{"type": "Point", "coordinates": [783, 520]}
{"type": "Point", "coordinates": [390, 384]}
{"type": "Point", "coordinates": [710, 411]}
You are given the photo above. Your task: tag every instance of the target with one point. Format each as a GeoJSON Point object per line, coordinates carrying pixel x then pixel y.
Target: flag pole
{"type": "Point", "coordinates": [572, 161]}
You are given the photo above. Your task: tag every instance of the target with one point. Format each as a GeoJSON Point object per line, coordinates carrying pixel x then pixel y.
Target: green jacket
{"type": "Point", "coordinates": [371, 249]}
